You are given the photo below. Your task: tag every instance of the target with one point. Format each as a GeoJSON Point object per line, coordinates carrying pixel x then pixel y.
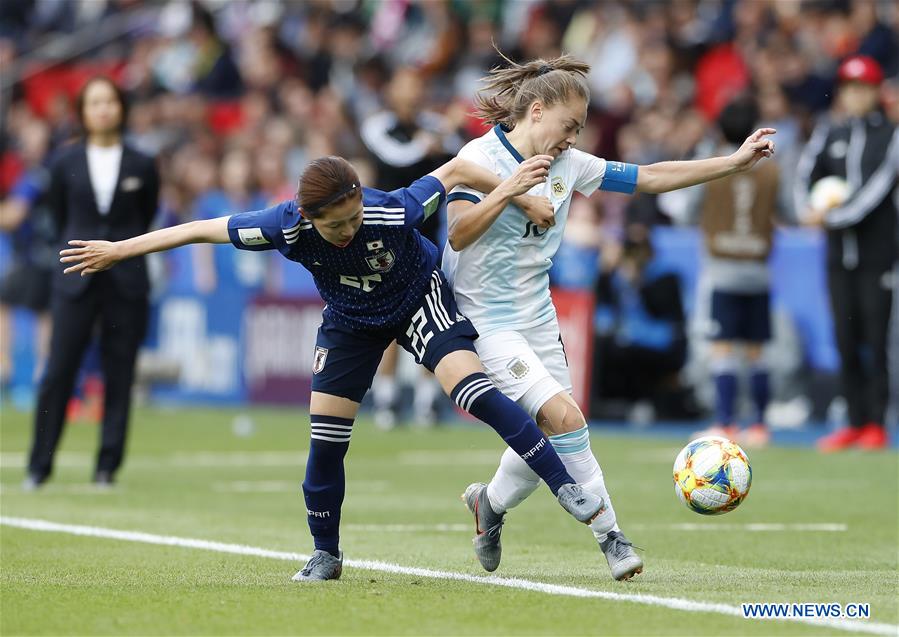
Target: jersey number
{"type": "Point", "coordinates": [365, 283]}
{"type": "Point", "coordinates": [532, 230]}
{"type": "Point", "coordinates": [417, 334]}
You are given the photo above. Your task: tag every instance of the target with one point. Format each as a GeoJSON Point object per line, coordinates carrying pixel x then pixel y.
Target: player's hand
{"type": "Point", "coordinates": [89, 257]}
{"type": "Point", "coordinates": [753, 149]}
{"type": "Point", "coordinates": [530, 172]}
{"type": "Point", "coordinates": [538, 209]}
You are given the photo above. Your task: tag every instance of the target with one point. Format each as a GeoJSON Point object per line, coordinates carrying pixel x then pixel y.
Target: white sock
{"type": "Point", "coordinates": [383, 390]}
{"type": "Point", "coordinates": [426, 390]}
{"type": "Point", "coordinates": [574, 450]}
{"type": "Point", "coordinates": [513, 482]}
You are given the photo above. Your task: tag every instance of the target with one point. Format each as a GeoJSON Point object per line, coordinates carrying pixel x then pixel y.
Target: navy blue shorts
{"type": "Point", "coordinates": [346, 360]}
{"type": "Point", "coordinates": [741, 317]}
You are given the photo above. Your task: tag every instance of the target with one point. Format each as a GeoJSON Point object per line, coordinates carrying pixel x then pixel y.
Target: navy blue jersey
{"type": "Point", "coordinates": [377, 280]}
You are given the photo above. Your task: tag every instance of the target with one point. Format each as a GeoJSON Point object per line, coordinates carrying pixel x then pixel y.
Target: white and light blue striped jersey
{"type": "Point", "coordinates": [501, 281]}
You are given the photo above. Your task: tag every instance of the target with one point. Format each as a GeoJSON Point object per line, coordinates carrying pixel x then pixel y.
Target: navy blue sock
{"type": "Point", "coordinates": [325, 483]}
{"type": "Point", "coordinates": [725, 397]}
{"type": "Point", "coordinates": [477, 395]}
{"type": "Point", "coordinates": [759, 388]}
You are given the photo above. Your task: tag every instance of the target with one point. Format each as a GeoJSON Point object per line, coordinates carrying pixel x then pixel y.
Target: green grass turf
{"type": "Point", "coordinates": [188, 474]}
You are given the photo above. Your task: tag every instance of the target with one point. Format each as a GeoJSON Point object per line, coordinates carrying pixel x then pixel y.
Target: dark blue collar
{"type": "Point", "coordinates": [501, 131]}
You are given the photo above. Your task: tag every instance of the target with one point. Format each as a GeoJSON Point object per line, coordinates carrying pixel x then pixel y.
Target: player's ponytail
{"type": "Point", "coordinates": [510, 90]}
{"type": "Point", "coordinates": [327, 181]}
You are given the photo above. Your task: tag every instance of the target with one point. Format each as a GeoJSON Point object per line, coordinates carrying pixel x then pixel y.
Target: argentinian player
{"type": "Point", "coordinates": [498, 263]}
{"type": "Point", "coordinates": [380, 280]}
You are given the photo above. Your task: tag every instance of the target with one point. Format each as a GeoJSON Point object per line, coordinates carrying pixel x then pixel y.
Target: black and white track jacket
{"type": "Point", "coordinates": [863, 232]}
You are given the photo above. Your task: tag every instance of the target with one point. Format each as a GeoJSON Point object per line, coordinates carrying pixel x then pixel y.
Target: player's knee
{"type": "Point", "coordinates": [561, 415]}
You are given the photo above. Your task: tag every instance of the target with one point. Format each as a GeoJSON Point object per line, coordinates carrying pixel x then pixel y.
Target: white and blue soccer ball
{"type": "Point", "coordinates": [712, 475]}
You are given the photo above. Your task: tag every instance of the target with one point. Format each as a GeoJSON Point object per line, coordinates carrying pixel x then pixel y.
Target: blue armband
{"type": "Point", "coordinates": [620, 177]}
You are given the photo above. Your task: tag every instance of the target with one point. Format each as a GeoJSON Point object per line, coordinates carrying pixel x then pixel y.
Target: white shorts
{"type": "Point", "coordinates": [528, 366]}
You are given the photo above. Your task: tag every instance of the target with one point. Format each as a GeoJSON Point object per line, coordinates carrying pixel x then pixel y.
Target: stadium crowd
{"type": "Point", "coordinates": [234, 97]}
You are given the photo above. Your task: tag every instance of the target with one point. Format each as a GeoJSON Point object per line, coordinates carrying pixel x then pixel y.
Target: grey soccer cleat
{"type": "Point", "coordinates": [321, 566]}
{"type": "Point", "coordinates": [583, 505]}
{"type": "Point", "coordinates": [488, 526]}
{"type": "Point", "coordinates": [620, 554]}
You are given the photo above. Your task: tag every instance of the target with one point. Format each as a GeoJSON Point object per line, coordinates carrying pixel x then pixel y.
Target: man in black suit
{"type": "Point", "coordinates": [101, 188]}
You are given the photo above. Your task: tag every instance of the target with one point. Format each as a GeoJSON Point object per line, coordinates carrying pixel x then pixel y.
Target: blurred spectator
{"type": "Point", "coordinates": [737, 216]}
{"type": "Point", "coordinates": [860, 147]}
{"type": "Point", "coordinates": [214, 72]}
{"type": "Point", "coordinates": [641, 344]}
{"type": "Point", "coordinates": [406, 142]}
{"type": "Point", "coordinates": [27, 222]}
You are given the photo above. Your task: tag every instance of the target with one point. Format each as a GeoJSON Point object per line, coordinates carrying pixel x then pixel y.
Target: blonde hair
{"type": "Point", "coordinates": [510, 90]}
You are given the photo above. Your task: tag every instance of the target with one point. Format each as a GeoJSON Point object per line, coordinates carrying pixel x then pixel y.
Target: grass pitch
{"type": "Point", "coordinates": [813, 529]}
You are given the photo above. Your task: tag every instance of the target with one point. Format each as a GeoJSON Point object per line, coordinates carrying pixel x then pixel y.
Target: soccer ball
{"type": "Point", "coordinates": [828, 192]}
{"type": "Point", "coordinates": [712, 475]}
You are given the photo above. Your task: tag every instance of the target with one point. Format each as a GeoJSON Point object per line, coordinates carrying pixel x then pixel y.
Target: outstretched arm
{"type": "Point", "coordinates": [88, 257]}
{"type": "Point", "coordinates": [672, 175]}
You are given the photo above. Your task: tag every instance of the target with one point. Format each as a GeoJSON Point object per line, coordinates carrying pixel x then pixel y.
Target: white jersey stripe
{"type": "Point", "coordinates": [382, 209]}
{"type": "Point", "coordinates": [429, 299]}
{"type": "Point", "coordinates": [442, 308]}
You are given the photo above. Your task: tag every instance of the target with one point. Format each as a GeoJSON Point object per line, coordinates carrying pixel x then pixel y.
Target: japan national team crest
{"type": "Point", "coordinates": [318, 363]}
{"type": "Point", "coordinates": [381, 261]}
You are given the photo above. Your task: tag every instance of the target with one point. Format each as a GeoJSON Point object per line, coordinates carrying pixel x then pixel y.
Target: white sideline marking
{"type": "Point", "coordinates": [237, 459]}
{"type": "Point", "coordinates": [291, 486]}
{"type": "Point", "coordinates": [427, 457]}
{"type": "Point", "coordinates": [88, 488]}
{"type": "Point", "coordinates": [408, 528]}
{"type": "Point", "coordinates": [19, 460]}
{"type": "Point", "coordinates": [257, 486]}
{"type": "Point", "coordinates": [829, 527]}
{"type": "Point", "coordinates": [673, 603]}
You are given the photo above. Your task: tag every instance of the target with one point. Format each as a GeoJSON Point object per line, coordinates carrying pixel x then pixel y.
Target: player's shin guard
{"type": "Point", "coordinates": [477, 395]}
{"type": "Point", "coordinates": [574, 450]}
{"type": "Point", "coordinates": [325, 483]}
{"type": "Point", "coordinates": [724, 371]}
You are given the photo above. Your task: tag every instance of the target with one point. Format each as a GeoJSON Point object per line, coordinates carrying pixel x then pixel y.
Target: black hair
{"type": "Point", "coordinates": [738, 119]}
